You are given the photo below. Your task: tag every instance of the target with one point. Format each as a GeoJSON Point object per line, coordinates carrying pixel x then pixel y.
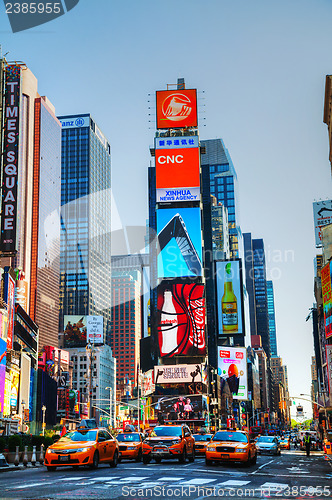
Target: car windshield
{"type": "Point", "coordinates": [202, 437]}
{"type": "Point", "coordinates": [237, 437]}
{"type": "Point", "coordinates": [79, 436]}
{"type": "Point", "coordinates": [128, 437]}
{"type": "Point", "coordinates": [265, 439]}
{"type": "Point", "coordinates": [166, 431]}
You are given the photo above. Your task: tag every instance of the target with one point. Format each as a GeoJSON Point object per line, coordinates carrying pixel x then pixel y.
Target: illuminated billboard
{"type": "Point", "coordinates": [3, 351]}
{"type": "Point", "coordinates": [232, 367]}
{"type": "Point", "coordinates": [10, 159]}
{"type": "Point", "coordinates": [79, 330]}
{"type": "Point", "coordinates": [176, 108]}
{"type": "Point", "coordinates": [181, 320]}
{"type": "Point", "coordinates": [177, 374]}
{"type": "Point", "coordinates": [176, 408]}
{"type": "Point", "coordinates": [327, 298]}
{"type": "Point", "coordinates": [178, 174]}
{"type": "Point", "coordinates": [9, 298]}
{"type": "Point", "coordinates": [180, 242]}
{"type": "Point", "coordinates": [229, 297]}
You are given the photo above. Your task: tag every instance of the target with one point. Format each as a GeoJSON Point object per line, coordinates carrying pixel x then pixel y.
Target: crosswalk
{"type": "Point", "coordinates": [145, 482]}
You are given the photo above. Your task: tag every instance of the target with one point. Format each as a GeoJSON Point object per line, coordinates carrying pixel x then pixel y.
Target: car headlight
{"type": "Point", "coordinates": [131, 447]}
{"type": "Point", "coordinates": [175, 441]}
{"type": "Point", "coordinates": [240, 450]}
{"type": "Point", "coordinates": [211, 448]}
{"type": "Point", "coordinates": [79, 450]}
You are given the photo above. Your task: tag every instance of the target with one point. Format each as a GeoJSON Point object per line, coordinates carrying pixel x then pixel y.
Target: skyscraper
{"type": "Point", "coordinates": [262, 316]}
{"type": "Point", "coordinates": [223, 185]}
{"type": "Point", "coordinates": [45, 255]}
{"type": "Point", "coordinates": [272, 318]}
{"type": "Point", "coordinates": [85, 261]}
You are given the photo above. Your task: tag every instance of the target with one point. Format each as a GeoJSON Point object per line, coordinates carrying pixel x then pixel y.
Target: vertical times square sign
{"type": "Point", "coordinates": [10, 159]}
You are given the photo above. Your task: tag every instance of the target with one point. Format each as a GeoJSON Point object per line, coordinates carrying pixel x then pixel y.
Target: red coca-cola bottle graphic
{"type": "Point", "coordinates": [168, 326]}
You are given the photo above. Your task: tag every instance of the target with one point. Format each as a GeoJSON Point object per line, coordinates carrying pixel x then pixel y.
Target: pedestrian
{"type": "Point", "coordinates": [295, 443]}
{"type": "Point", "coordinates": [307, 443]}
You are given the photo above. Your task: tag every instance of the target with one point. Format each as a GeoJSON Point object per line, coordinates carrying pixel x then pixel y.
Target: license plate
{"type": "Point", "coordinates": [64, 458]}
{"type": "Point", "coordinates": [223, 455]}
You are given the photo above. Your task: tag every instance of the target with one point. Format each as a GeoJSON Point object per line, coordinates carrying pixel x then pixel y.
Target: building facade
{"type": "Point", "coordinates": [272, 318]}
{"type": "Point", "coordinates": [85, 258]}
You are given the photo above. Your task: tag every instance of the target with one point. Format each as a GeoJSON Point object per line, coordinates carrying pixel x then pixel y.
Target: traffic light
{"type": "Point", "coordinates": [280, 405]}
{"type": "Point", "coordinates": [243, 412]}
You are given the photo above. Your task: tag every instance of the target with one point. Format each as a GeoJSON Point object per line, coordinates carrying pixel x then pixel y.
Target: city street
{"type": "Point", "coordinates": [292, 475]}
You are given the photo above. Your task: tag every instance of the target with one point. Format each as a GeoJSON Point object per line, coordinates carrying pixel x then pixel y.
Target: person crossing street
{"type": "Point", "coordinates": [307, 443]}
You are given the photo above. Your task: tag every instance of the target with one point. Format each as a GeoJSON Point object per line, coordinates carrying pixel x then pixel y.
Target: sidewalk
{"type": "Point", "coordinates": [12, 467]}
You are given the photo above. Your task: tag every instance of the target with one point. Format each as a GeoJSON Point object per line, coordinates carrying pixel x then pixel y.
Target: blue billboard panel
{"type": "Point", "coordinates": [180, 242]}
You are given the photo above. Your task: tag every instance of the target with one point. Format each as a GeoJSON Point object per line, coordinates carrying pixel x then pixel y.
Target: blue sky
{"type": "Point", "coordinates": [259, 68]}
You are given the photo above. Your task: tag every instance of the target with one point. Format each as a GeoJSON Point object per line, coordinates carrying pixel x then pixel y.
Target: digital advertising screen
{"type": "Point", "coordinates": [180, 242]}
{"type": "Point", "coordinates": [327, 298]}
{"type": "Point", "coordinates": [3, 351]}
{"type": "Point", "coordinates": [229, 297]}
{"type": "Point", "coordinates": [177, 374]}
{"type": "Point", "coordinates": [177, 168]}
{"type": "Point", "coordinates": [176, 108]}
{"type": "Point", "coordinates": [232, 367]}
{"type": "Point", "coordinates": [181, 320]}
{"type": "Point", "coordinates": [193, 407]}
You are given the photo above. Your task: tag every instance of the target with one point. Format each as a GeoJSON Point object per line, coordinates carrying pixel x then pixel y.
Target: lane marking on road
{"type": "Point", "coordinates": [133, 479]}
{"type": "Point", "coordinates": [170, 478]}
{"type": "Point", "coordinates": [74, 478]}
{"type": "Point", "coordinates": [232, 473]}
{"type": "Point", "coordinates": [261, 466]}
{"type": "Point", "coordinates": [274, 486]}
{"type": "Point", "coordinates": [232, 483]}
{"type": "Point", "coordinates": [106, 478]}
{"type": "Point", "coordinates": [32, 485]}
{"type": "Point", "coordinates": [288, 475]}
{"type": "Point", "coordinates": [198, 481]}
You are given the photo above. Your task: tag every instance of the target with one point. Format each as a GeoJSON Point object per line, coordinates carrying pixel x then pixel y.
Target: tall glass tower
{"type": "Point", "coordinates": [85, 259]}
{"type": "Point", "coordinates": [223, 185]}
{"type": "Point", "coordinates": [272, 318]}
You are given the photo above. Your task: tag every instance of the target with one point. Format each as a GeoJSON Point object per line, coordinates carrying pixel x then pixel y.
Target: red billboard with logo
{"type": "Point", "coordinates": [181, 319]}
{"type": "Point", "coordinates": [177, 168]}
{"type": "Point", "coordinates": [176, 108]}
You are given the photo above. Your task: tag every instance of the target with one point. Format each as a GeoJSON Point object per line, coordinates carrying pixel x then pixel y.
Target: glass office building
{"type": "Point", "coordinates": [223, 185]}
{"type": "Point", "coordinates": [272, 318]}
{"type": "Point", "coordinates": [85, 259]}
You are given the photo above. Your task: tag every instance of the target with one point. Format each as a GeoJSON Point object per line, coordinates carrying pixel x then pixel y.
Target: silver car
{"type": "Point", "coordinates": [268, 444]}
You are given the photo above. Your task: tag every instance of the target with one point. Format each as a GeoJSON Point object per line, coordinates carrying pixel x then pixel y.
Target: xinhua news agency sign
{"type": "Point", "coordinates": [10, 159]}
{"type": "Point", "coordinates": [23, 14]}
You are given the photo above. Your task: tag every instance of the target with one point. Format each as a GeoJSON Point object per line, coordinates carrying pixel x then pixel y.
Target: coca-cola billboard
{"type": "Point", "coordinates": [181, 320]}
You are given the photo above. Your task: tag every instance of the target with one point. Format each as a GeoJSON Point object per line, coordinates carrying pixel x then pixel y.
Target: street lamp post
{"type": "Point", "coordinates": [89, 349]}
{"type": "Point", "coordinates": [111, 405]}
{"type": "Point", "coordinates": [44, 411]}
{"type": "Point", "coordinates": [23, 407]}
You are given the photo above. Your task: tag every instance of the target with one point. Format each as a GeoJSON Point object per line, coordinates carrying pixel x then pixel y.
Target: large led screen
{"type": "Point", "coordinates": [229, 297]}
{"type": "Point", "coordinates": [232, 367]}
{"type": "Point", "coordinates": [176, 108]}
{"type": "Point", "coordinates": [180, 242]}
{"type": "Point", "coordinates": [181, 320]}
{"type": "Point", "coordinates": [193, 407]}
{"type": "Point", "coordinates": [3, 351]}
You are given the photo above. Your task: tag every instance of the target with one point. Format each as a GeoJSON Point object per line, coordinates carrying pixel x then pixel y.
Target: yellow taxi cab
{"type": "Point", "coordinates": [83, 447]}
{"type": "Point", "coordinates": [231, 446]}
{"type": "Point", "coordinates": [130, 446]}
{"type": "Point", "coordinates": [201, 442]}
{"type": "Point", "coordinates": [169, 442]}
{"type": "Point", "coordinates": [285, 443]}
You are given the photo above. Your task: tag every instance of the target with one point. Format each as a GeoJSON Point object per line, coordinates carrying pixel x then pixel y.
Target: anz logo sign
{"type": "Point", "coordinates": [83, 121]}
